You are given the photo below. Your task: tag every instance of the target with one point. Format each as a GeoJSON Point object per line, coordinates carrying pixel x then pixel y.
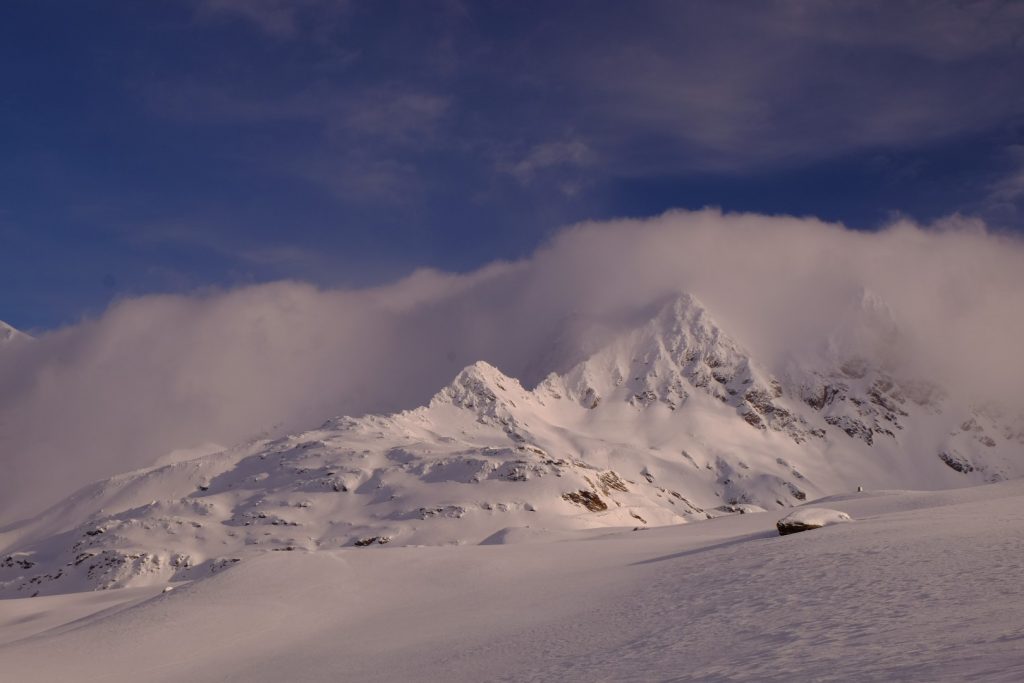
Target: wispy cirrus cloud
{"type": "Point", "coordinates": [653, 87]}
{"type": "Point", "coordinates": [366, 137]}
{"type": "Point", "coordinates": [392, 113]}
{"type": "Point", "coordinates": [280, 19]}
{"type": "Point", "coordinates": [570, 153]}
{"type": "Point", "coordinates": [1005, 199]}
{"type": "Point", "coordinates": [1011, 187]}
{"type": "Point", "coordinates": [358, 177]}
{"type": "Point", "coordinates": [722, 86]}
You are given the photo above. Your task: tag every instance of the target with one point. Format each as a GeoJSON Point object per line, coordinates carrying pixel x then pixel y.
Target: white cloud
{"type": "Point", "coordinates": [159, 373]}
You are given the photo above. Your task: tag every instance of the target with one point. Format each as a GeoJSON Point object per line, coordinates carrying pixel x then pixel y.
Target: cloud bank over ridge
{"type": "Point", "coordinates": [159, 373]}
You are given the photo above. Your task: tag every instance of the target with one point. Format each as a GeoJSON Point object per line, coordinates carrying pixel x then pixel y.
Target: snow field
{"type": "Point", "coordinates": [923, 587]}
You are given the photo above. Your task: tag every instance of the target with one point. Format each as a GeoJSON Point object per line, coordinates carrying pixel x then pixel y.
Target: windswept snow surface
{"type": "Point", "coordinates": [923, 587]}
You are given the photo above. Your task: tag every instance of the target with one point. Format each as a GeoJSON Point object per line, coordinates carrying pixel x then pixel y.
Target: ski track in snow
{"type": "Point", "coordinates": [919, 587]}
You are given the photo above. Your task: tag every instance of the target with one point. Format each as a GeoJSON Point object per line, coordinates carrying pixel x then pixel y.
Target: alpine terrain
{"type": "Point", "coordinates": [673, 422]}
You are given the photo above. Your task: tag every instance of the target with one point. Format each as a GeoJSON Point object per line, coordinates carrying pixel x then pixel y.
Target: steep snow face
{"type": "Point", "coordinates": [670, 423]}
{"type": "Point", "coordinates": [483, 390]}
{"type": "Point", "coordinates": [680, 351]}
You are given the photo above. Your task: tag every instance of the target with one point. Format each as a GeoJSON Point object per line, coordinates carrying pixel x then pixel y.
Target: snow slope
{"type": "Point", "coordinates": [920, 587]}
{"type": "Point", "coordinates": [670, 423]}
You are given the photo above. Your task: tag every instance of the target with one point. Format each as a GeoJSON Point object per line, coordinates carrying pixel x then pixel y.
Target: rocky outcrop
{"type": "Point", "coordinates": [806, 519]}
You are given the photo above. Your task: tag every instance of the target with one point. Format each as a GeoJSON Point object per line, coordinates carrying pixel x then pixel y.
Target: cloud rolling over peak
{"type": "Point", "coordinates": [154, 374]}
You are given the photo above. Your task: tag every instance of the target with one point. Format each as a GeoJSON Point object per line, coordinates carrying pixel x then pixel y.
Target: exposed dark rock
{"type": "Point", "coordinates": [754, 420]}
{"type": "Point", "coordinates": [380, 540]}
{"type": "Point", "coordinates": [956, 461]}
{"type": "Point", "coordinates": [786, 528]}
{"type": "Point", "coordinates": [611, 481]}
{"type": "Point", "coordinates": [587, 499]}
{"type": "Point", "coordinates": [853, 427]}
{"type": "Point", "coordinates": [20, 562]}
{"type": "Point", "coordinates": [805, 519]}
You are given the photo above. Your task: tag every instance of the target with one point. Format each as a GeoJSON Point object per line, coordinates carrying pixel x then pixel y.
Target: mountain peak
{"type": "Point", "coordinates": [481, 370]}
{"type": "Point", "coordinates": [685, 316]}
{"type": "Point", "coordinates": [680, 345]}
{"type": "Point", "coordinates": [482, 374]}
{"type": "Point", "coordinates": [479, 385]}
{"type": "Point", "coordinates": [10, 334]}
{"type": "Point", "coordinates": [683, 305]}
{"type": "Point", "coordinates": [679, 351]}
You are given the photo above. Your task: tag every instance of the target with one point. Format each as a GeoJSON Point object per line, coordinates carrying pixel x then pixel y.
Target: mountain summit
{"type": "Point", "coordinates": [679, 351]}
{"type": "Point", "coordinates": [9, 334]}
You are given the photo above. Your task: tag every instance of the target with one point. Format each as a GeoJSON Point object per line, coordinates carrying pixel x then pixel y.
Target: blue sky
{"type": "Point", "coordinates": [173, 145]}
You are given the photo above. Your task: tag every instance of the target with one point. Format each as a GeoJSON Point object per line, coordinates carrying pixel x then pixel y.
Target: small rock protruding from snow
{"type": "Point", "coordinates": [806, 519]}
{"type": "Point", "coordinates": [370, 540]}
{"type": "Point", "coordinates": [740, 509]}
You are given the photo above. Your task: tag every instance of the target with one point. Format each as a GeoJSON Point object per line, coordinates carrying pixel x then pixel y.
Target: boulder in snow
{"type": "Point", "coordinates": [806, 519]}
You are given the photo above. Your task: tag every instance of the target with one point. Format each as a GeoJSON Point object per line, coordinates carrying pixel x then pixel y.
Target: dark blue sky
{"type": "Point", "coordinates": [171, 145]}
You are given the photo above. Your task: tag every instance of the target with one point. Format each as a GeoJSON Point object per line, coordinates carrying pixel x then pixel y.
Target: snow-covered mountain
{"type": "Point", "coordinates": [672, 422]}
